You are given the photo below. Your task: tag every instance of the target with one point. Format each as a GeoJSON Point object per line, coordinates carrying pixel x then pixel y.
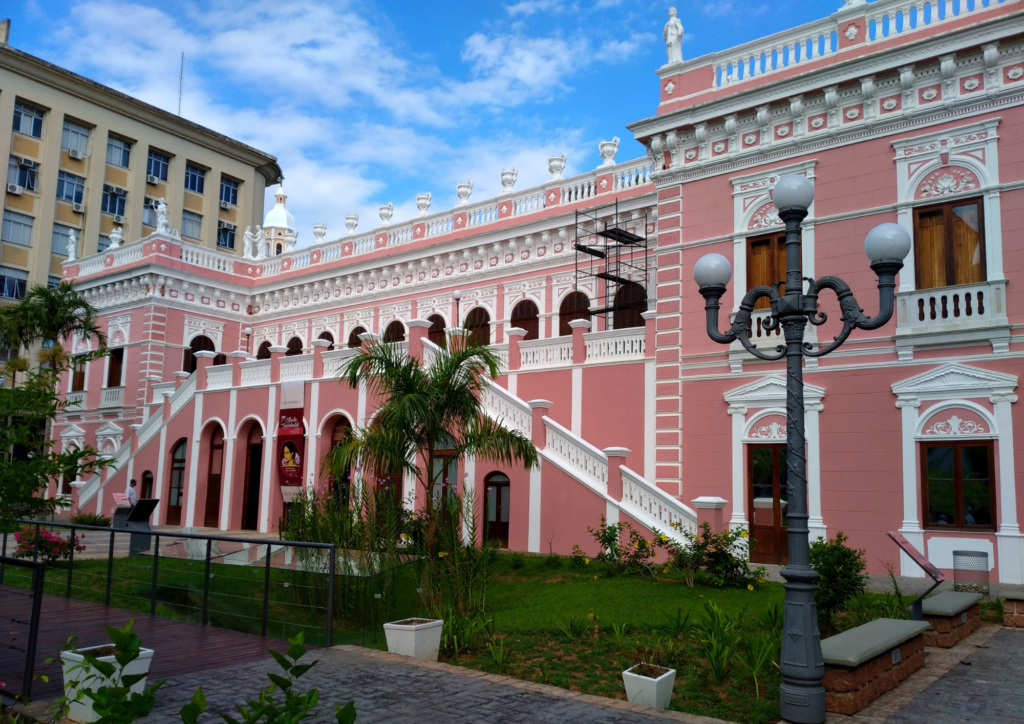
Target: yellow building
{"type": "Point", "coordinates": [85, 159]}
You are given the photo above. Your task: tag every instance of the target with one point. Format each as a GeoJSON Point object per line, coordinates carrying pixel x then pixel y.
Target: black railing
{"type": "Point", "coordinates": [19, 612]}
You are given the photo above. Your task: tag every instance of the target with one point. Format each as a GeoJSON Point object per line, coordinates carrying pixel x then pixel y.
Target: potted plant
{"type": "Point", "coordinates": [419, 638]}
{"type": "Point", "coordinates": [110, 679]}
{"type": "Point", "coordinates": [648, 682]}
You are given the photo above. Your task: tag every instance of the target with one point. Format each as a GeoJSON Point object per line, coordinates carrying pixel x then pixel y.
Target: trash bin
{"type": "Point", "coordinates": [970, 571]}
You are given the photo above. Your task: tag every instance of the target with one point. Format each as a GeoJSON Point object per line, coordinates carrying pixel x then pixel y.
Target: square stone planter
{"type": "Point", "coordinates": [419, 638]}
{"type": "Point", "coordinates": [81, 711]}
{"type": "Point", "coordinates": [642, 689]}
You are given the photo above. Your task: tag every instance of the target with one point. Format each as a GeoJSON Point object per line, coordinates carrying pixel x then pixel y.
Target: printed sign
{"type": "Point", "coordinates": [290, 448]}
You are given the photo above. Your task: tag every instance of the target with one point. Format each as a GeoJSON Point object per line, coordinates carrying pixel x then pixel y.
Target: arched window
{"type": "Point", "coordinates": [478, 324]}
{"type": "Point", "coordinates": [436, 333]}
{"type": "Point", "coordinates": [327, 336]}
{"type": "Point", "coordinates": [576, 305]}
{"type": "Point", "coordinates": [176, 489]}
{"type": "Point", "coordinates": [199, 343]}
{"type": "Point", "coordinates": [278, 249]}
{"type": "Point", "coordinates": [525, 316]}
{"type": "Point", "coordinates": [497, 489]}
{"type": "Point", "coordinates": [353, 337]}
{"type": "Point", "coordinates": [264, 351]}
{"type": "Point", "coordinates": [213, 480]}
{"type": "Point", "coordinates": [342, 428]}
{"type": "Point", "coordinates": [394, 332]}
{"type": "Point", "coordinates": [294, 347]}
{"type": "Point", "coordinates": [147, 484]}
{"type": "Point", "coordinates": [630, 303]}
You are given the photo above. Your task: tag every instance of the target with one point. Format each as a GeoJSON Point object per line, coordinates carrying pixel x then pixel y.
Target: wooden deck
{"type": "Point", "coordinates": [180, 647]}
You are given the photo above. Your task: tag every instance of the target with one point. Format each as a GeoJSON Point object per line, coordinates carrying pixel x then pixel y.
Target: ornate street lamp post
{"type": "Point", "coordinates": [802, 698]}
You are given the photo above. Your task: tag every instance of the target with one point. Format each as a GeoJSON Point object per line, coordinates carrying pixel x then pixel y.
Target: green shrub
{"type": "Point", "coordinates": [841, 574]}
{"type": "Point", "coordinates": [578, 559]}
{"type": "Point", "coordinates": [721, 556]}
{"type": "Point", "coordinates": [516, 561]}
{"type": "Point", "coordinates": [97, 519]}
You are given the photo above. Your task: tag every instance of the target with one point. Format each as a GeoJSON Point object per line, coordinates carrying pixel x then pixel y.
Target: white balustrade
{"type": "Point", "coordinates": [758, 331]}
{"type": "Point", "coordinates": [92, 265]}
{"type": "Point", "coordinates": [504, 407]}
{"type": "Point", "coordinates": [256, 372]}
{"type": "Point", "coordinates": [643, 499]}
{"type": "Point", "coordinates": [402, 235]}
{"type": "Point", "coordinates": [551, 352]}
{"type": "Point", "coordinates": [364, 245]}
{"type": "Point", "coordinates": [75, 400]}
{"type": "Point", "coordinates": [438, 227]}
{"type": "Point", "coordinates": [297, 367]}
{"type": "Point", "coordinates": [336, 360]}
{"type": "Point", "coordinates": [121, 456]}
{"type": "Point", "coordinates": [501, 350]}
{"type": "Point", "coordinates": [162, 390]}
{"type": "Point", "coordinates": [272, 267]}
{"type": "Point", "coordinates": [331, 252]}
{"type": "Point", "coordinates": [111, 397]}
{"type": "Point", "coordinates": [952, 309]}
{"type": "Point", "coordinates": [218, 377]}
{"type": "Point", "coordinates": [183, 394]}
{"type": "Point", "coordinates": [300, 261]}
{"type": "Point", "coordinates": [578, 191]}
{"type": "Point", "coordinates": [431, 352]}
{"type": "Point", "coordinates": [530, 203]}
{"type": "Point", "coordinates": [632, 175]}
{"type": "Point", "coordinates": [615, 345]}
{"type": "Point", "coordinates": [206, 258]}
{"type": "Point", "coordinates": [150, 427]}
{"type": "Point", "coordinates": [482, 215]}
{"type": "Point", "coordinates": [588, 464]}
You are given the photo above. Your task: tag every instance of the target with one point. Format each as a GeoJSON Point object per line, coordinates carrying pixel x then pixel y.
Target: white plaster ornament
{"type": "Point", "coordinates": [351, 222]}
{"type": "Point", "coordinates": [508, 180]}
{"type": "Point", "coordinates": [608, 149]}
{"type": "Point", "coordinates": [386, 212]}
{"type": "Point", "coordinates": [319, 231]}
{"type": "Point", "coordinates": [556, 164]}
{"type": "Point", "coordinates": [464, 190]}
{"type": "Point", "coordinates": [673, 35]}
{"type": "Point", "coordinates": [116, 237]}
{"type": "Point", "coordinates": [423, 203]}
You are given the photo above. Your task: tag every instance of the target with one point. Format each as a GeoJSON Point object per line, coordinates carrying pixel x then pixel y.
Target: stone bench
{"type": "Point", "coordinates": [1013, 609]}
{"type": "Point", "coordinates": [953, 617]}
{"type": "Point", "coordinates": [865, 662]}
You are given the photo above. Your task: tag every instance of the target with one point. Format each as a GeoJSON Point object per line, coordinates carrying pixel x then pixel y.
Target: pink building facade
{"type": "Point", "coordinates": [898, 113]}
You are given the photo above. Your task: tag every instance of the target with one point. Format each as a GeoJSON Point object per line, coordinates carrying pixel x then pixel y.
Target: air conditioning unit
{"type": "Point", "coordinates": [14, 189]}
{"type": "Point", "coordinates": [118, 191]}
{"type": "Point", "coordinates": [152, 180]}
{"type": "Point", "coordinates": [118, 219]}
{"type": "Point", "coordinates": [78, 208]}
{"type": "Point", "coordinates": [76, 154]}
{"type": "Point", "coordinates": [226, 225]}
{"type": "Point", "coordinates": [225, 205]}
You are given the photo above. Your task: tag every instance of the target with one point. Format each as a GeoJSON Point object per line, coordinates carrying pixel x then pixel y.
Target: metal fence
{"type": "Point", "coordinates": [19, 613]}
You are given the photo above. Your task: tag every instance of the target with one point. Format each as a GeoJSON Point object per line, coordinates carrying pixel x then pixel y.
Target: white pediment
{"type": "Point", "coordinates": [955, 380]}
{"type": "Point", "coordinates": [770, 392]}
{"type": "Point", "coordinates": [72, 432]}
{"type": "Point", "coordinates": [109, 429]}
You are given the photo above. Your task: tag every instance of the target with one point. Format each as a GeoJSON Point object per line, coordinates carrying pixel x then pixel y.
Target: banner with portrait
{"type": "Point", "coordinates": [290, 434]}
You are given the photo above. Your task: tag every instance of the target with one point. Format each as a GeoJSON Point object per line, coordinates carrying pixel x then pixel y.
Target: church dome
{"type": "Point", "coordinates": [279, 217]}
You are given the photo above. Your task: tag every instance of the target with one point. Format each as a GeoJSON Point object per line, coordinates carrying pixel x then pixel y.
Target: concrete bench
{"type": "Point", "coordinates": [865, 662]}
{"type": "Point", "coordinates": [953, 617]}
{"type": "Point", "coordinates": [1013, 609]}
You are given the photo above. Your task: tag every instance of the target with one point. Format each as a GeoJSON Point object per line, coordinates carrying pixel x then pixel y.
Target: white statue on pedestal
{"type": "Point", "coordinates": [162, 225]}
{"type": "Point", "coordinates": [673, 34]}
{"type": "Point", "coordinates": [116, 237]}
{"type": "Point", "coordinates": [261, 244]}
{"type": "Point", "coordinates": [249, 242]}
{"type": "Point", "coordinates": [319, 232]}
{"type": "Point", "coordinates": [72, 245]}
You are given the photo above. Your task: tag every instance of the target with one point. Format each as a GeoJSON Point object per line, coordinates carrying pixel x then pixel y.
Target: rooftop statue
{"type": "Point", "coordinates": [673, 34]}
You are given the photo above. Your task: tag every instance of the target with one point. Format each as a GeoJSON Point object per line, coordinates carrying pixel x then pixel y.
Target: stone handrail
{"type": "Point", "coordinates": [256, 372]}
{"type": "Point", "coordinates": [75, 400]}
{"type": "Point", "coordinates": [550, 352]}
{"type": "Point", "coordinates": [219, 377]}
{"type": "Point", "coordinates": [945, 309]}
{"type": "Point", "coordinates": [183, 394]}
{"type": "Point", "coordinates": [162, 390]}
{"type": "Point", "coordinates": [504, 407]}
{"type": "Point", "coordinates": [643, 499]}
{"type": "Point", "coordinates": [430, 352]}
{"type": "Point", "coordinates": [615, 345]}
{"type": "Point", "coordinates": [589, 464]}
{"type": "Point", "coordinates": [206, 258]}
{"type": "Point", "coordinates": [501, 350]}
{"type": "Point", "coordinates": [150, 427]}
{"type": "Point", "coordinates": [335, 360]}
{"type": "Point", "coordinates": [297, 367]}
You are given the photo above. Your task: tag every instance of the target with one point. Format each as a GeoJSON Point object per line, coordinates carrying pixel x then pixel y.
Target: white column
{"type": "Point", "coordinates": [739, 498]}
{"type": "Point", "coordinates": [193, 468]}
{"type": "Point", "coordinates": [911, 526]}
{"type": "Point", "coordinates": [650, 419]}
{"type": "Point", "coordinates": [815, 523]}
{"type": "Point", "coordinates": [533, 538]}
{"type": "Point", "coordinates": [577, 401]}
{"type": "Point", "coordinates": [267, 485]}
{"type": "Point", "coordinates": [905, 218]}
{"type": "Point", "coordinates": [469, 486]}
{"type": "Point", "coordinates": [739, 275]}
{"type": "Point", "coordinates": [993, 237]}
{"type": "Point", "coordinates": [229, 460]}
{"type": "Point", "coordinates": [1010, 543]}
{"type": "Point", "coordinates": [361, 405]}
{"type": "Point", "coordinates": [159, 482]}
{"type": "Point", "coordinates": [312, 436]}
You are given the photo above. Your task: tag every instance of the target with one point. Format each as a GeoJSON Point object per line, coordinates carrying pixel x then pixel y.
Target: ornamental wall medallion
{"type": "Point", "coordinates": [956, 426]}
{"type": "Point", "coordinates": [946, 181]}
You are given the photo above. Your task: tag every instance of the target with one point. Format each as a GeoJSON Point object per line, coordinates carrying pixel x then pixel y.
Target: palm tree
{"type": "Point", "coordinates": [49, 315]}
{"type": "Point", "coordinates": [423, 410]}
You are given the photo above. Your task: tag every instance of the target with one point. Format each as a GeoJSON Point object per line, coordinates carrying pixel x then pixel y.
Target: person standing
{"type": "Point", "coordinates": [133, 497]}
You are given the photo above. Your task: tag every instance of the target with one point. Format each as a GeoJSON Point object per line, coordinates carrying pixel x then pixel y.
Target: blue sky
{"type": "Point", "coordinates": [370, 102]}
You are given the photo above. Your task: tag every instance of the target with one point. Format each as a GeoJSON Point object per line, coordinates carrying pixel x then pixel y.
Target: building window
{"type": "Point", "coordinates": [229, 191]}
{"type": "Point", "coordinates": [949, 244]}
{"type": "Point", "coordinates": [60, 239]}
{"type": "Point", "coordinates": [226, 237]}
{"type": "Point", "coordinates": [28, 120]}
{"type": "Point", "coordinates": [264, 350]}
{"type": "Point", "coordinates": [70, 187]}
{"type": "Point", "coordinates": [103, 243]}
{"type": "Point", "coordinates": [78, 375]}
{"type": "Point", "coordinates": [478, 324]}
{"type": "Point", "coordinates": [149, 212]}
{"type": "Point", "coordinates": [195, 179]}
{"type": "Point", "coordinates": [147, 485]}
{"type": "Point", "coordinates": [437, 334]}
{"type": "Point", "coordinates": [119, 152]}
{"type": "Point", "coordinates": [75, 137]}
{"type": "Point", "coordinates": [394, 332]}
{"type": "Point", "coordinates": [53, 282]}
{"type": "Point", "coordinates": [959, 490]}
{"type": "Point", "coordinates": [630, 304]}
{"type": "Point", "coordinates": [22, 172]}
{"type": "Point", "coordinates": [115, 366]}
{"type": "Point", "coordinates": [191, 225]}
{"type": "Point", "coordinates": [766, 265]}
{"type": "Point", "coordinates": [114, 200]}
{"type": "Point", "coordinates": [353, 338]}
{"type": "Point", "coordinates": [157, 165]}
{"type": "Point", "coordinates": [525, 315]}
{"type": "Point", "coordinates": [17, 228]}
{"type": "Point", "coordinates": [14, 282]}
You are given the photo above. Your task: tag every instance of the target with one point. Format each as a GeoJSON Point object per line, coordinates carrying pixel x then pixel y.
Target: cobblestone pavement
{"type": "Point", "coordinates": [386, 689]}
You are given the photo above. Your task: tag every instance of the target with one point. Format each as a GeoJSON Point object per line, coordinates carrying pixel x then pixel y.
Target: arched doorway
{"type": "Point", "coordinates": [526, 316]}
{"type": "Point", "coordinates": [341, 487]}
{"type": "Point", "coordinates": [497, 488]}
{"type": "Point", "coordinates": [294, 347]}
{"type": "Point", "coordinates": [394, 332]}
{"type": "Point", "coordinates": [769, 504]}
{"type": "Point", "coordinates": [253, 480]}
{"type": "Point", "coordinates": [176, 489]}
{"type": "Point", "coordinates": [147, 484]}
{"type": "Point", "coordinates": [353, 337]}
{"type": "Point", "coordinates": [436, 333]}
{"type": "Point", "coordinates": [327, 337]}
{"type": "Point", "coordinates": [215, 470]}
{"type": "Point", "coordinates": [576, 305]}
{"type": "Point", "coordinates": [630, 304]}
{"type": "Point", "coordinates": [199, 343]}
{"type": "Point", "coordinates": [478, 324]}
{"type": "Point", "coordinates": [264, 351]}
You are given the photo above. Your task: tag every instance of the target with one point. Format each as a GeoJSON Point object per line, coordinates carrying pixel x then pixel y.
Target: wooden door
{"type": "Point", "coordinates": [213, 480]}
{"type": "Point", "coordinates": [498, 492]}
{"type": "Point", "coordinates": [251, 496]}
{"type": "Point", "coordinates": [768, 511]}
{"type": "Point", "coordinates": [176, 490]}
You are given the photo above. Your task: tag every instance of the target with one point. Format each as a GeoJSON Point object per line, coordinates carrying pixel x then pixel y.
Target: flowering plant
{"type": "Point", "coordinates": [51, 546]}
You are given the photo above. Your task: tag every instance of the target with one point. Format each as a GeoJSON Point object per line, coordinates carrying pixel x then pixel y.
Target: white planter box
{"type": "Point", "coordinates": [419, 638]}
{"type": "Point", "coordinates": [81, 711]}
{"type": "Point", "coordinates": [642, 689]}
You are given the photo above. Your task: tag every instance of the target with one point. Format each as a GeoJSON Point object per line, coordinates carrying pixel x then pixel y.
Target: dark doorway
{"type": "Point", "coordinates": [436, 333]}
{"type": "Point", "coordinates": [253, 478]}
{"type": "Point", "coordinates": [630, 304]}
{"type": "Point", "coordinates": [769, 519]}
{"type": "Point", "coordinates": [576, 305]}
{"type": "Point", "coordinates": [176, 490]}
{"type": "Point", "coordinates": [497, 490]}
{"type": "Point", "coordinates": [478, 324]}
{"type": "Point", "coordinates": [213, 480]}
{"type": "Point", "coordinates": [525, 316]}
